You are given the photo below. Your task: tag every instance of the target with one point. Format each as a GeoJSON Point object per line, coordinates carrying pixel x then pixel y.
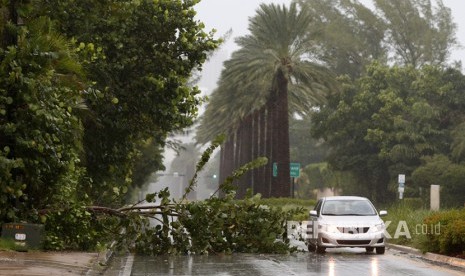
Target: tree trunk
{"type": "Point", "coordinates": [222, 166]}
{"type": "Point", "coordinates": [261, 180]}
{"type": "Point", "coordinates": [255, 149]}
{"type": "Point", "coordinates": [237, 159]}
{"type": "Point", "coordinates": [269, 178]}
{"type": "Point", "coordinates": [241, 159]}
{"type": "Point", "coordinates": [228, 160]}
{"type": "Point", "coordinates": [281, 141]}
{"type": "Point", "coordinates": [247, 147]}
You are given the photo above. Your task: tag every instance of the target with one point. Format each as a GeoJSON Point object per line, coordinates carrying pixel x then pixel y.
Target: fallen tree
{"type": "Point", "coordinates": [161, 225]}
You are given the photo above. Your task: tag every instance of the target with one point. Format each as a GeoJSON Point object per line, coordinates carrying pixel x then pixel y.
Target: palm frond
{"type": "Point", "coordinates": [278, 42]}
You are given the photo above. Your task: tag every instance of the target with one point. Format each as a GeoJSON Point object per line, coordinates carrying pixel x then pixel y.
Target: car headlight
{"type": "Point", "coordinates": [328, 228]}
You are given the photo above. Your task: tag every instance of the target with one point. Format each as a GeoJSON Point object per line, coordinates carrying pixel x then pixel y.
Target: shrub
{"type": "Point", "coordinates": [74, 228]}
{"type": "Point", "coordinates": [451, 239]}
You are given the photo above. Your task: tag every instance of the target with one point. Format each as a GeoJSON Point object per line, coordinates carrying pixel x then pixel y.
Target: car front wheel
{"type": "Point", "coordinates": [311, 247]}
{"type": "Point", "coordinates": [380, 250]}
{"type": "Point", "coordinates": [320, 249]}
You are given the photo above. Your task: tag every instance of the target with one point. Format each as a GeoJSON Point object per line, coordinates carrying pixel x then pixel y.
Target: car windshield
{"type": "Point", "coordinates": [348, 208]}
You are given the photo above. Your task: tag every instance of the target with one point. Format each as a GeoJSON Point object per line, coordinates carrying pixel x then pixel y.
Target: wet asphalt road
{"type": "Point", "coordinates": [334, 262]}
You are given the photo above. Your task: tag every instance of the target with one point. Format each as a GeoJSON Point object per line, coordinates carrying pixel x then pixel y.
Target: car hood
{"type": "Point", "coordinates": [350, 220]}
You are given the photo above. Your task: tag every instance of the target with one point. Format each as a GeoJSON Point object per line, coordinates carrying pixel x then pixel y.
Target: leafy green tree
{"type": "Point", "coordinates": [419, 33]}
{"type": "Point", "coordinates": [458, 143]}
{"type": "Point", "coordinates": [62, 139]}
{"type": "Point", "coordinates": [347, 35]}
{"type": "Point", "coordinates": [40, 130]}
{"type": "Point", "coordinates": [144, 53]}
{"type": "Point", "coordinates": [383, 124]}
{"type": "Point", "coordinates": [350, 36]}
{"type": "Point", "coordinates": [343, 123]}
{"type": "Point", "coordinates": [150, 157]}
{"type": "Point", "coordinates": [439, 170]}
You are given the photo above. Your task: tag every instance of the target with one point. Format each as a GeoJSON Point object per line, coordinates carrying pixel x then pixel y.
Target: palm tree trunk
{"type": "Point", "coordinates": [255, 148]}
{"type": "Point", "coordinates": [222, 166]}
{"type": "Point", "coordinates": [270, 123]}
{"type": "Point", "coordinates": [281, 141]}
{"type": "Point", "coordinates": [261, 178]}
{"type": "Point", "coordinates": [228, 159]}
{"type": "Point", "coordinates": [248, 148]}
{"type": "Point", "coordinates": [242, 185]}
{"type": "Point", "coordinates": [237, 159]}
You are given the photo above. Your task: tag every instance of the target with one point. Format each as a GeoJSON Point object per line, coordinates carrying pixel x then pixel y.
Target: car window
{"type": "Point", "coordinates": [330, 208]}
{"type": "Point", "coordinates": [348, 208]}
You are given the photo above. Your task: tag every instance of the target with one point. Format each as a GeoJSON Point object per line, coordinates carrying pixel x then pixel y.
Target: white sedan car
{"type": "Point", "coordinates": [346, 221]}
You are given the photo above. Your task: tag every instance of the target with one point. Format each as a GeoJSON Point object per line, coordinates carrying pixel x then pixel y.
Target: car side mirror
{"type": "Point", "coordinates": [382, 213]}
{"type": "Point", "coordinates": [313, 213]}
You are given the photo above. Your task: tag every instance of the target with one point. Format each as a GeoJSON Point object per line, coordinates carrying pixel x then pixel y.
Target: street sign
{"type": "Point", "coordinates": [294, 169]}
{"type": "Point", "coordinates": [401, 185]}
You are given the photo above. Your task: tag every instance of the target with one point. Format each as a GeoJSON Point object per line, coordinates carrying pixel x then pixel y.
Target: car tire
{"type": "Point", "coordinates": [311, 247]}
{"type": "Point", "coordinates": [320, 249]}
{"type": "Point", "coordinates": [380, 250]}
{"type": "Point", "coordinates": [369, 249]}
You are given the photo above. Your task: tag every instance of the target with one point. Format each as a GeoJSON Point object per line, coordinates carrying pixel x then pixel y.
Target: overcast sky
{"type": "Point", "coordinates": [224, 15]}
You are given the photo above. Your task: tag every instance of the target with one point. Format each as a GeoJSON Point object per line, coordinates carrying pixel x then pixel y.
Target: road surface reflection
{"type": "Point", "coordinates": [334, 262]}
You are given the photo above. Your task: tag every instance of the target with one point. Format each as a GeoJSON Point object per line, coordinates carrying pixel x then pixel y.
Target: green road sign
{"type": "Point", "coordinates": [294, 169]}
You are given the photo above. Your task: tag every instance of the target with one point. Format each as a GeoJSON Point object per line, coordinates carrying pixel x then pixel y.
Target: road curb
{"type": "Point", "coordinates": [457, 262]}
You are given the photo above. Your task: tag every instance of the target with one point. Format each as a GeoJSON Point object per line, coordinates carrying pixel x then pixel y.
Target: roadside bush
{"type": "Point", "coordinates": [451, 239]}
{"type": "Point", "coordinates": [76, 227]}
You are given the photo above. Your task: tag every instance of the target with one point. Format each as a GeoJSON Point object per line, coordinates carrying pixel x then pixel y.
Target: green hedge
{"type": "Point", "coordinates": [451, 238]}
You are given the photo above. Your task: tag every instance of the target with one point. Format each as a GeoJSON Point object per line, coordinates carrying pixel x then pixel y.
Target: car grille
{"type": "Point", "coordinates": [353, 230]}
{"type": "Point", "coordinates": [353, 242]}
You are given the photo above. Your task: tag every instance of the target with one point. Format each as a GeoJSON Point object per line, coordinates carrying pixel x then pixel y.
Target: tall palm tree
{"type": "Point", "coordinates": [275, 55]}
{"type": "Point", "coordinates": [272, 69]}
